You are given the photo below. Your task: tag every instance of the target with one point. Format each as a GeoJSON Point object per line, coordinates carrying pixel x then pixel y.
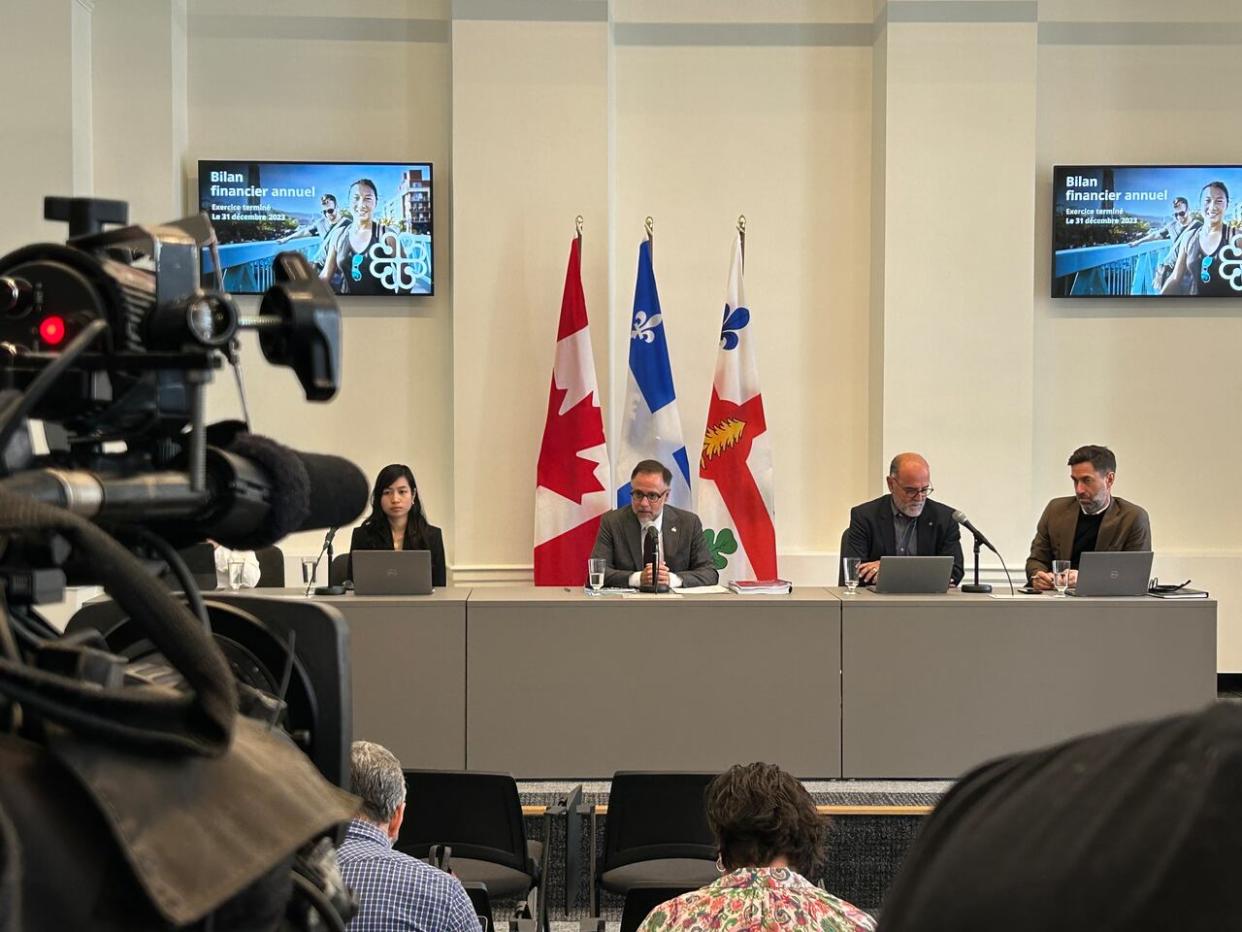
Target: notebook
{"type": "Point", "coordinates": [392, 572]}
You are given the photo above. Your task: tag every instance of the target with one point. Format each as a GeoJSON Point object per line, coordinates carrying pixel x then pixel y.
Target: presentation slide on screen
{"type": "Point", "coordinates": [1167, 231]}
{"type": "Point", "coordinates": [365, 226]}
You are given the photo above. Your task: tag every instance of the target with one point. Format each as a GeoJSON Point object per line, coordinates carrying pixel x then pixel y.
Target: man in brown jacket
{"type": "Point", "coordinates": [1091, 519]}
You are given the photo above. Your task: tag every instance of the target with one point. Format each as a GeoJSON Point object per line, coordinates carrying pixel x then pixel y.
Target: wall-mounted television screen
{"type": "Point", "coordinates": [1147, 230]}
{"type": "Point", "coordinates": [366, 226]}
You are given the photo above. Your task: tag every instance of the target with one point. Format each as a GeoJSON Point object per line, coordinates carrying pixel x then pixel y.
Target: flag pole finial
{"type": "Point", "coordinates": [741, 224]}
{"type": "Point", "coordinates": [578, 226]}
{"type": "Point", "coordinates": [650, 226]}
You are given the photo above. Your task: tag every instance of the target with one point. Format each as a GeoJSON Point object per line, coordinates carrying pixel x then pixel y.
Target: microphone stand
{"type": "Point", "coordinates": [329, 589]}
{"type": "Point", "coordinates": [976, 586]}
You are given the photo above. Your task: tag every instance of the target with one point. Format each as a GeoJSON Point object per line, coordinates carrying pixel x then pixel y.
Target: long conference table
{"type": "Point", "coordinates": [555, 683]}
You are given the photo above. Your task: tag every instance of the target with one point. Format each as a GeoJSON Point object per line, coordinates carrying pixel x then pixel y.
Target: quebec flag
{"type": "Point", "coordinates": [650, 424]}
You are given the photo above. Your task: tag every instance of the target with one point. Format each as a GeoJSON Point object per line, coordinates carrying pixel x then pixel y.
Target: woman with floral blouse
{"type": "Point", "coordinates": [770, 836]}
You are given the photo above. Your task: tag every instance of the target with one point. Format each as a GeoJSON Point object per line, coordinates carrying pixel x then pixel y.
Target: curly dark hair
{"type": "Point", "coordinates": [758, 812]}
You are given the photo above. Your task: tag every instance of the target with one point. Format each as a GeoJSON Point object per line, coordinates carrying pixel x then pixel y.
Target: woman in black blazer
{"type": "Point", "coordinates": [397, 521]}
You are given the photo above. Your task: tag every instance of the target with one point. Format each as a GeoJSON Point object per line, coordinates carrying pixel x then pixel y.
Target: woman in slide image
{"type": "Point", "coordinates": [350, 251]}
{"type": "Point", "coordinates": [397, 521]}
{"type": "Point", "coordinates": [1199, 259]}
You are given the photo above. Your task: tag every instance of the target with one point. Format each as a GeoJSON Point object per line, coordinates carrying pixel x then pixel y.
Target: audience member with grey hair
{"type": "Point", "coordinates": [396, 892]}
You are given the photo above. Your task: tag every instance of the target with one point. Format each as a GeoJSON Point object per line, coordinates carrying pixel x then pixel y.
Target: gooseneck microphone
{"type": "Point", "coordinates": [960, 517]}
{"type": "Point", "coordinates": [329, 589]}
{"type": "Point", "coordinates": [976, 586]}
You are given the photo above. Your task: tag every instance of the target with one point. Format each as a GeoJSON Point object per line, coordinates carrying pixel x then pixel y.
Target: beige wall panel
{"type": "Point", "coordinates": [37, 146]}
{"type": "Point", "coordinates": [338, 97]}
{"type": "Point", "coordinates": [742, 11]}
{"type": "Point", "coordinates": [783, 136]}
{"type": "Point", "coordinates": [957, 266]}
{"type": "Point", "coordinates": [529, 153]}
{"type": "Point", "coordinates": [1157, 382]}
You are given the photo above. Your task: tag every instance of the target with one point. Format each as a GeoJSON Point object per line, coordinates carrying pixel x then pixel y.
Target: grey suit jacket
{"type": "Point", "coordinates": [620, 543]}
{"type": "Point", "coordinates": [1126, 526]}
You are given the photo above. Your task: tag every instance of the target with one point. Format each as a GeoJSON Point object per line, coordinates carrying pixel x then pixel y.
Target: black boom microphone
{"type": "Point", "coordinates": [256, 492]}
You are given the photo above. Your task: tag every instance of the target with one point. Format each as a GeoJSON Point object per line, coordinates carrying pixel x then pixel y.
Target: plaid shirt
{"type": "Point", "coordinates": [398, 892]}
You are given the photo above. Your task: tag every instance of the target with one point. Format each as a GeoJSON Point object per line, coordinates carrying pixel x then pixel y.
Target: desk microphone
{"type": "Point", "coordinates": [960, 518]}
{"type": "Point", "coordinates": [651, 558]}
{"type": "Point", "coordinates": [976, 586]}
{"type": "Point", "coordinates": [329, 589]}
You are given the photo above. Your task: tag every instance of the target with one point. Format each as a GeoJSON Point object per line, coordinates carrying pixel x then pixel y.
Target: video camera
{"type": "Point", "coordinates": [110, 341]}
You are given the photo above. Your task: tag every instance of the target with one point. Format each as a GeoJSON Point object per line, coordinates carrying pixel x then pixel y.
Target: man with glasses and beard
{"type": "Point", "coordinates": [687, 561]}
{"type": "Point", "coordinates": [903, 523]}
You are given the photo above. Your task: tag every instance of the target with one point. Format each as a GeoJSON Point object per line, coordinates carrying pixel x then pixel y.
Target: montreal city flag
{"type": "Point", "coordinates": [735, 488]}
{"type": "Point", "coordinates": [571, 485]}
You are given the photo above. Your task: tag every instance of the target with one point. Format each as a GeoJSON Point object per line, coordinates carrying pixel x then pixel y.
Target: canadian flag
{"type": "Point", "coordinates": [735, 491]}
{"type": "Point", "coordinates": [571, 486]}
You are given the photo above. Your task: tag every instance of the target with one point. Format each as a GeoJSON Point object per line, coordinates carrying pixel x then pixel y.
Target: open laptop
{"type": "Point", "coordinates": [914, 574]}
{"type": "Point", "coordinates": [1111, 572]}
{"type": "Point", "coordinates": [392, 572]}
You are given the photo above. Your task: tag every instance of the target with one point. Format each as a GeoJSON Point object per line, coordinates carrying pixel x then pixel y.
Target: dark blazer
{"type": "Point", "coordinates": [620, 543]}
{"type": "Point", "coordinates": [871, 533]}
{"type": "Point", "coordinates": [1125, 526]}
{"type": "Point", "coordinates": [370, 538]}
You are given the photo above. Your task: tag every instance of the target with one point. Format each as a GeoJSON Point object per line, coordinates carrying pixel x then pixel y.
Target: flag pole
{"type": "Point", "coordinates": [578, 226]}
{"type": "Point", "coordinates": [741, 232]}
{"type": "Point", "coordinates": [650, 225]}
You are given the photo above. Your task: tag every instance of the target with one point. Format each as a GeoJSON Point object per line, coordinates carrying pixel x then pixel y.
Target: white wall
{"type": "Point", "coordinates": [316, 80]}
{"type": "Point", "coordinates": [893, 161]}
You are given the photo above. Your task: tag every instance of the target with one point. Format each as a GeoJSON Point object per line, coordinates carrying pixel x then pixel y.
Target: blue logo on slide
{"type": "Point", "coordinates": [1205, 273]}
{"type": "Point", "coordinates": [355, 271]}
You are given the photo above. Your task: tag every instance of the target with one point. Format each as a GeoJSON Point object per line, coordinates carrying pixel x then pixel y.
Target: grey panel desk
{"type": "Point", "coordinates": [568, 685]}
{"type": "Point", "coordinates": [408, 656]}
{"type": "Point", "coordinates": [933, 685]}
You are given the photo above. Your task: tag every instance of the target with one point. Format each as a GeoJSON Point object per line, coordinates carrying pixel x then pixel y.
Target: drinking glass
{"type": "Point", "coordinates": [1060, 575]}
{"type": "Point", "coordinates": [850, 567]}
{"type": "Point", "coordinates": [237, 570]}
{"type": "Point", "coordinates": [309, 565]}
{"type": "Point", "coordinates": [595, 573]}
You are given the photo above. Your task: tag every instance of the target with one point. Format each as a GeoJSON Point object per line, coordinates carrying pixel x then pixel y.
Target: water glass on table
{"type": "Point", "coordinates": [237, 571]}
{"type": "Point", "coordinates": [849, 570]}
{"type": "Point", "coordinates": [595, 573]}
{"type": "Point", "coordinates": [309, 568]}
{"type": "Point", "coordinates": [1060, 575]}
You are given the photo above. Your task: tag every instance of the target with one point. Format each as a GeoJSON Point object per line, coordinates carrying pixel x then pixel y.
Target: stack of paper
{"type": "Point", "coordinates": [761, 586]}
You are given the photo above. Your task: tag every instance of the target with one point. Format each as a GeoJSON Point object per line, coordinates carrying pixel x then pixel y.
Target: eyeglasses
{"type": "Point", "coordinates": [911, 493]}
{"type": "Point", "coordinates": [653, 497]}
{"type": "Point", "coordinates": [1179, 213]}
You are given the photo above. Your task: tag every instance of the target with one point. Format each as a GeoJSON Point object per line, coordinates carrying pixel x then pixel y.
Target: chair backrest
{"type": "Point", "coordinates": [340, 569]}
{"type": "Point", "coordinates": [479, 815]}
{"type": "Point", "coordinates": [641, 899]}
{"type": "Point", "coordinates": [655, 815]}
{"type": "Point", "coordinates": [271, 567]}
{"type": "Point", "coordinates": [845, 536]}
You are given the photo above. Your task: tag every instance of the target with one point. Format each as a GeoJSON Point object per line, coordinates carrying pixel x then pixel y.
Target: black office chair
{"type": "Point", "coordinates": [271, 567]}
{"type": "Point", "coordinates": [655, 835]}
{"type": "Point", "coordinates": [338, 570]}
{"type": "Point", "coordinates": [478, 816]}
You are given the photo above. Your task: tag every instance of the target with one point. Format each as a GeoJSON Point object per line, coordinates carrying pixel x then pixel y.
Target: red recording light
{"type": "Point", "coordinates": [52, 330]}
